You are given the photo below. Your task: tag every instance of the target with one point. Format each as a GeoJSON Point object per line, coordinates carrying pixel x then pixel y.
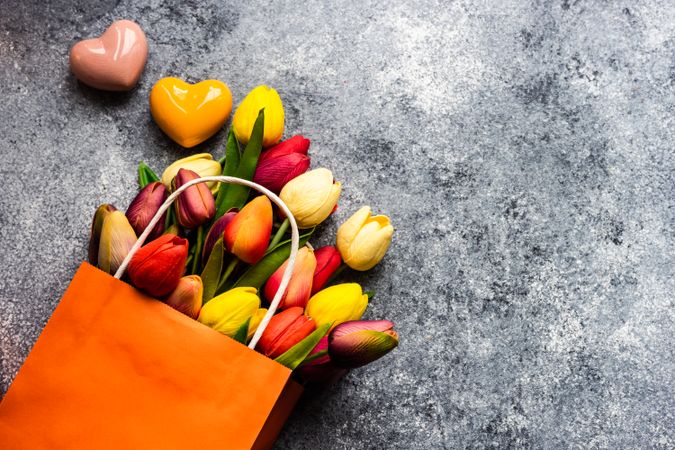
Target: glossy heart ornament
{"type": "Point", "coordinates": [113, 62]}
{"type": "Point", "coordinates": [190, 113]}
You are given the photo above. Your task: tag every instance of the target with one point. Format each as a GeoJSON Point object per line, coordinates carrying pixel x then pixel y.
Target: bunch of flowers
{"type": "Point", "coordinates": [218, 255]}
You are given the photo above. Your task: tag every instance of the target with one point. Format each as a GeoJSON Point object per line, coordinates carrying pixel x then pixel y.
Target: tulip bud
{"type": "Point", "coordinates": [262, 97]}
{"type": "Point", "coordinates": [300, 287]}
{"type": "Point", "coordinates": [327, 262]}
{"type": "Point", "coordinates": [284, 331]}
{"type": "Point", "coordinates": [195, 205]}
{"type": "Point", "coordinates": [311, 197]}
{"type": "Point", "coordinates": [187, 297]}
{"type": "Point", "coordinates": [215, 233]}
{"type": "Point", "coordinates": [321, 369]}
{"type": "Point", "coordinates": [281, 163]}
{"type": "Point", "coordinates": [228, 311]}
{"type": "Point", "coordinates": [248, 234]}
{"type": "Point", "coordinates": [364, 239]}
{"type": "Point", "coordinates": [203, 164]}
{"type": "Point", "coordinates": [357, 343]}
{"type": "Point", "coordinates": [255, 322]}
{"type": "Point", "coordinates": [143, 208]}
{"type": "Point", "coordinates": [96, 226]}
{"type": "Point", "coordinates": [337, 304]}
{"type": "Point", "coordinates": [117, 238]}
{"type": "Point", "coordinates": [158, 266]}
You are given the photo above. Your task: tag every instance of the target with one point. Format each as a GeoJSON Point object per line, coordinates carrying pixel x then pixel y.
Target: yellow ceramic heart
{"type": "Point", "coordinates": [190, 113]}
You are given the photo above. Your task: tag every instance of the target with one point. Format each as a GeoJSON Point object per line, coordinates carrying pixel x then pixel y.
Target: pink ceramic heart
{"type": "Point", "coordinates": [113, 62]}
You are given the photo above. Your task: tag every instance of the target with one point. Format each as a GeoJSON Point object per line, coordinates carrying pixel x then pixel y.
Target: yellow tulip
{"type": "Point", "coordinates": [228, 311]}
{"type": "Point", "coordinates": [255, 322]}
{"type": "Point", "coordinates": [247, 112]}
{"type": "Point", "coordinates": [203, 164]}
{"type": "Point", "coordinates": [364, 239]}
{"type": "Point", "coordinates": [311, 197]}
{"type": "Point", "coordinates": [337, 304]}
{"type": "Point", "coordinates": [117, 238]}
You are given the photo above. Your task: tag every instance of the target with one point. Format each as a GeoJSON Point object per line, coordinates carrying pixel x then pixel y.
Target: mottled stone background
{"type": "Point", "coordinates": [524, 151]}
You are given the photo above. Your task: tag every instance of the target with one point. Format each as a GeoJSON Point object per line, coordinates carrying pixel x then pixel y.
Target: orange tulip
{"type": "Point", "coordinates": [300, 287]}
{"type": "Point", "coordinates": [158, 266]}
{"type": "Point", "coordinates": [248, 234]}
{"type": "Point", "coordinates": [187, 297]}
{"type": "Point", "coordinates": [284, 331]}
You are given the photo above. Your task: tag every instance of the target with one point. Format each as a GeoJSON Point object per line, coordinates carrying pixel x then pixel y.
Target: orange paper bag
{"type": "Point", "coordinates": [116, 369]}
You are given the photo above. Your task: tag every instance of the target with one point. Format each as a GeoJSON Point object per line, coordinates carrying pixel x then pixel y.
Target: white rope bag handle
{"type": "Point", "coordinates": [295, 240]}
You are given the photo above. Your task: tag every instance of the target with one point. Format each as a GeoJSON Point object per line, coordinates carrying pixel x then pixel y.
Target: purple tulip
{"type": "Point", "coordinates": [195, 205]}
{"type": "Point", "coordinates": [215, 233]}
{"type": "Point", "coordinates": [144, 206]}
{"type": "Point", "coordinates": [359, 342]}
{"type": "Point", "coordinates": [321, 369]}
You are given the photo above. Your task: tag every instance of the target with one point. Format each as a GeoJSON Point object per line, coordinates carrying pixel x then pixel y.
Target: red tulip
{"type": "Point", "coordinates": [321, 369]}
{"type": "Point", "coordinates": [300, 287]}
{"type": "Point", "coordinates": [282, 162]}
{"type": "Point", "coordinates": [195, 205]}
{"type": "Point", "coordinates": [284, 331]}
{"type": "Point", "coordinates": [215, 233]}
{"type": "Point", "coordinates": [158, 266]}
{"type": "Point", "coordinates": [327, 262]}
{"type": "Point", "coordinates": [248, 234]}
{"type": "Point", "coordinates": [144, 206]}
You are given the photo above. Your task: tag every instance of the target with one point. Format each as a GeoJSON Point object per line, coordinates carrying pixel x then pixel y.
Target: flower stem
{"type": "Point", "coordinates": [198, 249]}
{"type": "Point", "coordinates": [228, 271]}
{"type": "Point", "coordinates": [279, 234]}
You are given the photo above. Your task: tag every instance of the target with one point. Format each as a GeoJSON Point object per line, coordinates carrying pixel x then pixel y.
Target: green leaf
{"type": "Point", "coordinates": [199, 243]}
{"type": "Point", "coordinates": [370, 294]}
{"type": "Point", "coordinates": [145, 175]}
{"type": "Point", "coordinates": [235, 195]}
{"type": "Point", "coordinates": [211, 273]}
{"type": "Point", "coordinates": [232, 154]}
{"type": "Point", "coordinates": [242, 332]}
{"type": "Point", "coordinates": [295, 355]}
{"type": "Point", "coordinates": [256, 275]}
{"type": "Point", "coordinates": [232, 157]}
{"type": "Point", "coordinates": [316, 355]}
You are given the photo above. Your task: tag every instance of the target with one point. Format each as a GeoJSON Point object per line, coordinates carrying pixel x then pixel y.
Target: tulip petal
{"type": "Point", "coordinates": [248, 234]}
{"type": "Point", "coordinates": [227, 312]}
{"type": "Point", "coordinates": [328, 260]}
{"type": "Point", "coordinates": [261, 97]}
{"type": "Point", "coordinates": [358, 325]}
{"type": "Point", "coordinates": [300, 286]}
{"type": "Point", "coordinates": [348, 231]}
{"type": "Point", "coordinates": [216, 232]}
{"type": "Point", "coordinates": [117, 238]}
{"type": "Point", "coordinates": [203, 164]}
{"type": "Point", "coordinates": [195, 205]}
{"type": "Point", "coordinates": [337, 304]}
{"type": "Point", "coordinates": [311, 197]}
{"type": "Point", "coordinates": [158, 266]}
{"type": "Point", "coordinates": [187, 297]}
{"type": "Point", "coordinates": [256, 275]}
{"type": "Point", "coordinates": [361, 347]}
{"type": "Point", "coordinates": [96, 226]}
{"type": "Point", "coordinates": [296, 144]}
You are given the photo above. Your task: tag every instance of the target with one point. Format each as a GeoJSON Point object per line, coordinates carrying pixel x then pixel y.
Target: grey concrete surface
{"type": "Point", "coordinates": [524, 151]}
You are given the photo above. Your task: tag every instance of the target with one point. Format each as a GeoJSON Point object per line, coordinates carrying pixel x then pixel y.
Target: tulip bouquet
{"type": "Point", "coordinates": [219, 254]}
